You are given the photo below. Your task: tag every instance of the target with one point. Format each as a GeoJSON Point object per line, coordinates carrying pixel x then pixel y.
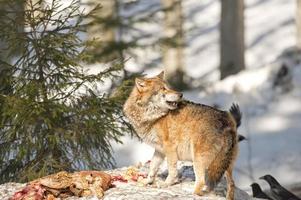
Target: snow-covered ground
{"type": "Point", "coordinates": [271, 119]}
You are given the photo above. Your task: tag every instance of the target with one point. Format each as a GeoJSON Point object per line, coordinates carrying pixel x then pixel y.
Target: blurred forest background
{"type": "Point", "coordinates": [66, 67]}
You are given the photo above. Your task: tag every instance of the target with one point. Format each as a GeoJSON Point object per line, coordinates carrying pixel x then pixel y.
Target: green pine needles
{"type": "Point", "coordinates": [52, 115]}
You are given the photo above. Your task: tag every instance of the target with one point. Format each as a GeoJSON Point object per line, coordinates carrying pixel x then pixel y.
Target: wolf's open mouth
{"type": "Point", "coordinates": [172, 103]}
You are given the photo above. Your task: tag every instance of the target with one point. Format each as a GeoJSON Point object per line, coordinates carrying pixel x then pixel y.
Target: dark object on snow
{"type": "Point", "coordinates": [258, 193]}
{"type": "Point", "coordinates": [241, 138]}
{"type": "Point", "coordinates": [278, 192]}
{"type": "Point", "coordinates": [283, 72]}
{"type": "Point", "coordinates": [283, 79]}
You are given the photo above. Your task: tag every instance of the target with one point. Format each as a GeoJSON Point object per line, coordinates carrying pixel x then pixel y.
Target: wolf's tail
{"type": "Point", "coordinates": [236, 114]}
{"type": "Point", "coordinates": [227, 154]}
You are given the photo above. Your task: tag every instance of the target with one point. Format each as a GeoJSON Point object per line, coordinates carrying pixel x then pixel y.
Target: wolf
{"type": "Point", "coordinates": [182, 130]}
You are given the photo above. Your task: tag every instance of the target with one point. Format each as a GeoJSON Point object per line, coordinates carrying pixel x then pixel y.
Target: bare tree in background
{"type": "Point", "coordinates": [7, 52]}
{"type": "Point", "coordinates": [17, 5]}
{"type": "Point", "coordinates": [173, 44]}
{"type": "Point", "coordinates": [104, 29]}
{"type": "Point", "coordinates": [232, 37]}
{"type": "Point", "coordinates": [298, 23]}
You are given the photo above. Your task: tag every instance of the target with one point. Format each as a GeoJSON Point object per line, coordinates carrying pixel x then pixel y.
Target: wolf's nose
{"type": "Point", "coordinates": [180, 95]}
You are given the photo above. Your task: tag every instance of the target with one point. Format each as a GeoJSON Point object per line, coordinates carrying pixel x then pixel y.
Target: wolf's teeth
{"type": "Point", "coordinates": [172, 103]}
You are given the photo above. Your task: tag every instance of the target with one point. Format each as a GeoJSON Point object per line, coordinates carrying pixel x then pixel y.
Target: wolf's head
{"type": "Point", "coordinates": [155, 92]}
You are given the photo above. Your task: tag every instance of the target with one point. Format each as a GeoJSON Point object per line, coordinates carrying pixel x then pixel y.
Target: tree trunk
{"type": "Point", "coordinates": [173, 43]}
{"type": "Point", "coordinates": [103, 31]}
{"type": "Point", "coordinates": [16, 8]}
{"type": "Point", "coordinates": [298, 23]}
{"type": "Point", "coordinates": [232, 37]}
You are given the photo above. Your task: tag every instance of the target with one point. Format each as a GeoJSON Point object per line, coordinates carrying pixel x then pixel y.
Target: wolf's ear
{"type": "Point", "coordinates": [161, 75]}
{"type": "Point", "coordinates": [140, 84]}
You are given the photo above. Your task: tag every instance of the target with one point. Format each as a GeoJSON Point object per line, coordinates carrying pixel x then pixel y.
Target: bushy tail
{"type": "Point", "coordinates": [237, 115]}
{"type": "Point", "coordinates": [224, 158]}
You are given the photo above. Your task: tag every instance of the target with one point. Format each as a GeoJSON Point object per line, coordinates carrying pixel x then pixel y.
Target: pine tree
{"type": "Point", "coordinates": [55, 117]}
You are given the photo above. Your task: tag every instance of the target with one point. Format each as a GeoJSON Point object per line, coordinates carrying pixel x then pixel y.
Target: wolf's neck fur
{"type": "Point", "coordinates": [142, 116]}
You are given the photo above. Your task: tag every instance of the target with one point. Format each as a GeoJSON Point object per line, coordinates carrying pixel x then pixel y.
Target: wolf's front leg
{"type": "Point", "coordinates": [154, 166]}
{"type": "Point", "coordinates": [172, 159]}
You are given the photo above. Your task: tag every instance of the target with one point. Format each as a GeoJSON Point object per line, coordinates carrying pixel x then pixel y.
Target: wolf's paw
{"type": "Point", "coordinates": [162, 185]}
{"type": "Point", "coordinates": [201, 190]}
{"type": "Point", "coordinates": [148, 181]}
{"type": "Point", "coordinates": [198, 192]}
{"type": "Point", "coordinates": [167, 183]}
